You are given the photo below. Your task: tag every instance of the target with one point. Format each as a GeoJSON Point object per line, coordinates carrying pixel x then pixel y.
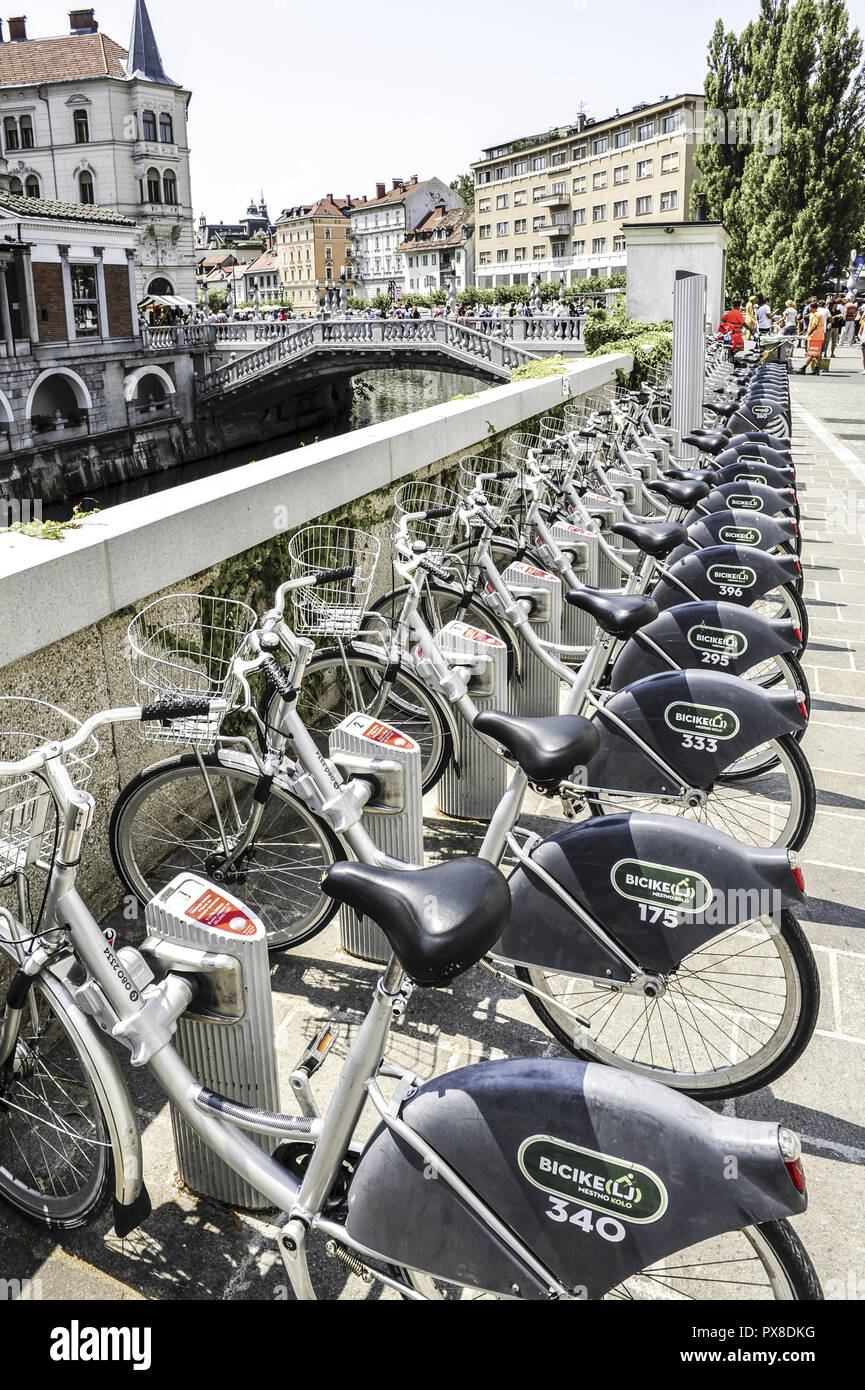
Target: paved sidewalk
{"type": "Point", "coordinates": [194, 1250]}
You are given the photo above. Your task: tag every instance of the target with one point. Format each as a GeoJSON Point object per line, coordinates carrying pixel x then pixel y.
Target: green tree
{"type": "Point", "coordinates": [464, 185]}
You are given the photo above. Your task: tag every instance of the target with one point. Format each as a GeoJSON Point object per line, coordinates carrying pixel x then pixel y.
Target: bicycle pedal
{"type": "Point", "coordinates": [317, 1052]}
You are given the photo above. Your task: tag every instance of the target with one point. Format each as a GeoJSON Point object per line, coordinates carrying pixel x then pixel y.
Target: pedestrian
{"type": "Point", "coordinates": [764, 317]}
{"type": "Point", "coordinates": [848, 332]}
{"type": "Point", "coordinates": [816, 334]}
{"type": "Point", "coordinates": [732, 327]}
{"type": "Point", "coordinates": [835, 324]}
{"type": "Point", "coordinates": [789, 319]}
{"type": "Point", "coordinates": [862, 335]}
{"type": "Point", "coordinates": [750, 319]}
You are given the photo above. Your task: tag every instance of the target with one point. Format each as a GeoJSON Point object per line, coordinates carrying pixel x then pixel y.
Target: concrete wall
{"type": "Point", "coordinates": [65, 607]}
{"type": "Point", "coordinates": [656, 252]}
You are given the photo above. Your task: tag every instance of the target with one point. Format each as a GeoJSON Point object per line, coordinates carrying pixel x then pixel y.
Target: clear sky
{"type": "Point", "coordinates": [299, 99]}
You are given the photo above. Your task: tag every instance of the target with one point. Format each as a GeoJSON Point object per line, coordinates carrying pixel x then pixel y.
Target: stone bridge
{"type": "Point", "coordinates": [341, 347]}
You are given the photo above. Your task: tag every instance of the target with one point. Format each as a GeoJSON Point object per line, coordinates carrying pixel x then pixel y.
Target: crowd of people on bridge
{"type": "Point", "coordinates": [819, 325]}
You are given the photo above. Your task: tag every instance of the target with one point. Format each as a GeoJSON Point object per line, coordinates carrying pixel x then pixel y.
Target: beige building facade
{"type": "Point", "coordinates": [313, 247]}
{"type": "Point", "coordinates": [555, 204]}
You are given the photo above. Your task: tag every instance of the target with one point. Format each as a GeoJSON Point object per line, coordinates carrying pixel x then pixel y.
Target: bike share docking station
{"type": "Point", "coordinates": [473, 789]}
{"type": "Point", "coordinates": [582, 550]}
{"type": "Point", "coordinates": [367, 749]}
{"type": "Point", "coordinates": [537, 695]}
{"type": "Point", "coordinates": [225, 1036]}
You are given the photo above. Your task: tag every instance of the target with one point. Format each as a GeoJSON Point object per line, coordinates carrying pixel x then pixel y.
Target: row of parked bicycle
{"type": "Point", "coordinates": [596, 617]}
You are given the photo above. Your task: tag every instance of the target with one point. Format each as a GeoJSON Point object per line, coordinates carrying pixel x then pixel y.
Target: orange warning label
{"type": "Point", "coordinates": [213, 910]}
{"type": "Point", "coordinates": [382, 733]}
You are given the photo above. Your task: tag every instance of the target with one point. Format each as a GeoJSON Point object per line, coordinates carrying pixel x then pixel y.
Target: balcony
{"type": "Point", "coordinates": [559, 227]}
{"type": "Point", "coordinates": [555, 200]}
{"type": "Point", "coordinates": [155, 151]}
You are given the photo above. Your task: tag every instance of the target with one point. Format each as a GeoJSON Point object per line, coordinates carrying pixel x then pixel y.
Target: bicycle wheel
{"type": "Point", "coordinates": [769, 675]}
{"type": "Point", "coordinates": [338, 683]}
{"type": "Point", "coordinates": [776, 808]}
{"type": "Point", "coordinates": [736, 1014]}
{"type": "Point", "coordinates": [171, 820]}
{"type": "Point", "coordinates": [786, 603]}
{"type": "Point", "coordinates": [766, 1262]}
{"type": "Point", "coordinates": [56, 1161]}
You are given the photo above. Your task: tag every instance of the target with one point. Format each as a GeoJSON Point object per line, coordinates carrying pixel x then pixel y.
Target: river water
{"type": "Point", "coordinates": [378, 396]}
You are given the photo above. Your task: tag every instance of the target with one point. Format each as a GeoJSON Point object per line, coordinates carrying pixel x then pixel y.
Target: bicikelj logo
{"type": "Point", "coordinates": [739, 535]}
{"type": "Point", "coordinates": [750, 477]}
{"type": "Point", "coordinates": [597, 1180]}
{"type": "Point", "coordinates": [726, 640]}
{"type": "Point", "coordinates": [710, 721]}
{"type": "Point", "coordinates": [734, 576]}
{"type": "Point", "coordinates": [745, 502]}
{"type": "Point", "coordinates": [762, 412]}
{"type": "Point", "coordinates": [661, 885]}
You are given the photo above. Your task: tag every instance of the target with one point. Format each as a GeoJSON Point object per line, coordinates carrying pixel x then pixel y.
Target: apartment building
{"type": "Point", "coordinates": [313, 245]}
{"type": "Point", "coordinates": [439, 252]}
{"type": "Point", "coordinates": [379, 227]}
{"type": "Point", "coordinates": [555, 204]}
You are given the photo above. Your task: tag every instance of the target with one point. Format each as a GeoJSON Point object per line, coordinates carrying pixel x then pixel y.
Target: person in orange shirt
{"type": "Point", "coordinates": [733, 323]}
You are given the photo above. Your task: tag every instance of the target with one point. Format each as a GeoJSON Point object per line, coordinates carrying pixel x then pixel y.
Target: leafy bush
{"type": "Point", "coordinates": [650, 344]}
{"type": "Point", "coordinates": [536, 371]}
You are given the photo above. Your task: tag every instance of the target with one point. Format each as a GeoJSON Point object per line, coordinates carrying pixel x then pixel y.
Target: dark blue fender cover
{"type": "Point", "coordinates": [599, 1173]}
{"type": "Point", "coordinates": [704, 635]}
{"type": "Point", "coordinates": [749, 451]}
{"type": "Point", "coordinates": [739, 574]}
{"type": "Point", "coordinates": [767, 416]}
{"type": "Point", "coordinates": [620, 868]}
{"type": "Point", "coordinates": [749, 497]}
{"type": "Point", "coordinates": [758, 472]}
{"type": "Point", "coordinates": [701, 722]}
{"type": "Point", "coordinates": [732, 528]}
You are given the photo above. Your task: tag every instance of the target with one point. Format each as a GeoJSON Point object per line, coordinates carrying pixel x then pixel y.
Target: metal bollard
{"type": "Point", "coordinates": [394, 820]}
{"type": "Point", "coordinates": [538, 694]}
{"type": "Point", "coordinates": [659, 448]}
{"type": "Point", "coordinates": [689, 354]}
{"type": "Point", "coordinates": [578, 629]}
{"type": "Point", "coordinates": [483, 776]}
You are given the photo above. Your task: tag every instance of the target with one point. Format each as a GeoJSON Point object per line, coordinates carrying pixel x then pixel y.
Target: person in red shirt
{"type": "Point", "coordinates": [733, 323]}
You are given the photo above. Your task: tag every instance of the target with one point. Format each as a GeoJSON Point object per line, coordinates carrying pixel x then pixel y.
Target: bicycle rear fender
{"type": "Point", "coordinates": [739, 574]}
{"type": "Point", "coordinates": [661, 890]}
{"type": "Point", "coordinates": [755, 470]}
{"type": "Point", "coordinates": [599, 1173]}
{"type": "Point", "coordinates": [701, 635]}
{"type": "Point", "coordinates": [700, 722]}
{"type": "Point", "coordinates": [749, 451]}
{"type": "Point", "coordinates": [748, 497]}
{"type": "Point", "coordinates": [766, 416]}
{"type": "Point", "coordinates": [732, 528]}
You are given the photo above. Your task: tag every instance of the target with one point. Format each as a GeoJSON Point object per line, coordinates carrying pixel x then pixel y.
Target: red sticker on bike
{"type": "Point", "coordinates": [474, 634]}
{"type": "Point", "coordinates": [213, 910]}
{"type": "Point", "coordinates": [382, 733]}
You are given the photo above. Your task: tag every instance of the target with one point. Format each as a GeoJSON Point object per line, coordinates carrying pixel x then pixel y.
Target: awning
{"type": "Point", "coordinates": [165, 301]}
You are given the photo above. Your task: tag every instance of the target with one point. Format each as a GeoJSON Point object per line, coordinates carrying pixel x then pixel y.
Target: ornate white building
{"type": "Point", "coordinates": [379, 227]}
{"type": "Point", "coordinates": [83, 121]}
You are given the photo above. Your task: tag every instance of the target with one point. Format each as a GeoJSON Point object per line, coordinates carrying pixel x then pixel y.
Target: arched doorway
{"type": "Point", "coordinates": [149, 392]}
{"type": "Point", "coordinates": [58, 401]}
{"type": "Point", "coordinates": [160, 286]}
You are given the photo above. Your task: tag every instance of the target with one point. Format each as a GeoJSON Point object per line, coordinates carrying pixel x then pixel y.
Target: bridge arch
{"type": "Point", "coordinates": [52, 391]}
{"type": "Point", "coordinates": [135, 380]}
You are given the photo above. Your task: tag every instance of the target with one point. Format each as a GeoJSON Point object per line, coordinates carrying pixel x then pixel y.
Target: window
{"type": "Point", "coordinates": [485, 257]}
{"type": "Point", "coordinates": [599, 245]}
{"type": "Point", "coordinates": [599, 212]}
{"type": "Point", "coordinates": [621, 173]}
{"type": "Point", "coordinates": [86, 193]}
{"type": "Point", "coordinates": [82, 128]}
{"type": "Point", "coordinates": [578, 152]}
{"type": "Point", "coordinates": [484, 204]}
{"type": "Point", "coordinates": [578, 248]}
{"type": "Point", "coordinates": [600, 145]}
{"type": "Point", "coordinates": [32, 187]}
{"type": "Point", "coordinates": [169, 185]}
{"type": "Point", "coordinates": [670, 163]}
{"type": "Point", "coordinates": [154, 186]}
{"type": "Point", "coordinates": [520, 225]}
{"type": "Point", "coordinates": [10, 132]}
{"type": "Point", "coordinates": [620, 210]}
{"type": "Point", "coordinates": [560, 157]}
{"type": "Point", "coordinates": [521, 198]}
{"type": "Point", "coordinates": [621, 139]}
{"type": "Point", "coordinates": [560, 190]}
{"type": "Point", "coordinates": [166, 129]}
{"type": "Point", "coordinates": [539, 162]}
{"type": "Point", "coordinates": [646, 131]}
{"type": "Point", "coordinates": [484, 176]}
{"type": "Point", "coordinates": [485, 231]}
{"type": "Point", "coordinates": [671, 123]}
{"type": "Point", "coordinates": [538, 194]}
{"type": "Point", "coordinates": [519, 253]}
{"type": "Point", "coordinates": [327, 233]}
{"type": "Point", "coordinates": [579, 217]}
{"type": "Point", "coordinates": [16, 188]}
{"type": "Point", "coordinates": [502, 171]}
{"type": "Point", "coordinates": [85, 300]}
{"type": "Point", "coordinates": [539, 252]}
{"type": "Point", "coordinates": [618, 243]}
{"type": "Point", "coordinates": [644, 206]}
{"type": "Point", "coordinates": [520, 167]}
{"type": "Point", "coordinates": [644, 168]}
{"type": "Point", "coordinates": [26, 125]}
{"type": "Point", "coordinates": [670, 200]}
{"type": "Point", "coordinates": [538, 223]}
{"type": "Point", "coordinates": [501, 257]}
{"type": "Point", "coordinates": [599, 180]}
{"type": "Point", "coordinates": [502, 200]}
{"type": "Point", "coordinates": [580, 184]}
{"type": "Point", "coordinates": [502, 228]}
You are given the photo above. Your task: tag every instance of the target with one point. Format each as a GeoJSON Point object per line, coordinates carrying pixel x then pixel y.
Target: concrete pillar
{"type": "Point", "coordinates": [30, 294]}
{"type": "Point", "coordinates": [104, 331]}
{"type": "Point", "coordinates": [689, 354]}
{"type": "Point", "coordinates": [133, 293]}
{"type": "Point", "coordinates": [67, 293]}
{"type": "Point", "coordinates": [6, 316]}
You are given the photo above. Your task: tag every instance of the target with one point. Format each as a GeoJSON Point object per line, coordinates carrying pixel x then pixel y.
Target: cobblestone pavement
{"type": "Point", "coordinates": [193, 1250]}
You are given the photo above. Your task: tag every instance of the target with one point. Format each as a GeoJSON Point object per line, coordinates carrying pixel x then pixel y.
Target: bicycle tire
{"type": "Point", "coordinates": [659, 1024]}
{"type": "Point", "coordinates": [273, 892]}
{"type": "Point", "coordinates": [49, 1060]}
{"type": "Point", "coordinates": [791, 668]}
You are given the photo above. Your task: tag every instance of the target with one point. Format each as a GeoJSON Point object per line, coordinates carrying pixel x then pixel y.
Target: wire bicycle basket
{"type": "Point", "coordinates": [185, 647]}
{"type": "Point", "coordinates": [335, 608]}
{"type": "Point", "coordinates": [500, 483]}
{"type": "Point", "coordinates": [26, 803]}
{"type": "Point", "coordinates": [437, 532]}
